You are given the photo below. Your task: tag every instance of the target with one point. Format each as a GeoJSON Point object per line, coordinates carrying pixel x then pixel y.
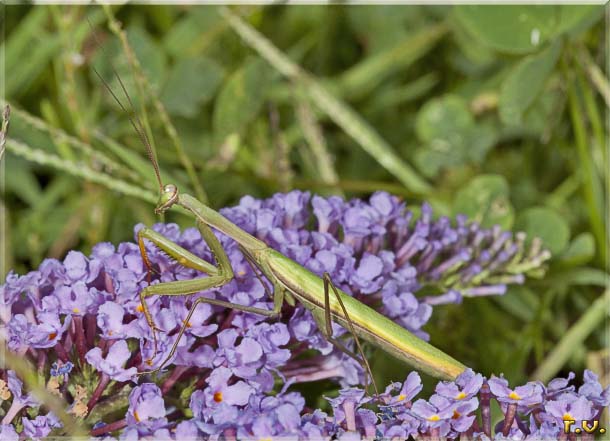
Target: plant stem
{"type": "Point", "coordinates": [99, 390]}
{"type": "Point", "coordinates": [112, 427]}
{"type": "Point", "coordinates": [591, 187]}
{"type": "Point", "coordinates": [576, 335]}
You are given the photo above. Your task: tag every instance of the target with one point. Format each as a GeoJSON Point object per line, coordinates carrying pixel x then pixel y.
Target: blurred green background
{"type": "Point", "coordinates": [498, 112]}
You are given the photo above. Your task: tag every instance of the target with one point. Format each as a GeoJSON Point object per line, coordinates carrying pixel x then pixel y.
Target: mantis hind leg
{"type": "Point", "coordinates": [325, 325]}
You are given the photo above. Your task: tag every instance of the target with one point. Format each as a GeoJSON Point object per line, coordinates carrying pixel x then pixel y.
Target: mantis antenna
{"type": "Point", "coordinates": [137, 123]}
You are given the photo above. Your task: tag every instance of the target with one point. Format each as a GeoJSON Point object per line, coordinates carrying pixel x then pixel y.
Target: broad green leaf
{"type": "Point", "coordinates": [525, 83]}
{"type": "Point", "coordinates": [441, 119]}
{"type": "Point", "coordinates": [384, 25]}
{"type": "Point", "coordinates": [446, 127]}
{"type": "Point", "coordinates": [546, 224]}
{"type": "Point", "coordinates": [147, 51]}
{"type": "Point", "coordinates": [473, 55]}
{"type": "Point", "coordinates": [539, 116]}
{"type": "Point", "coordinates": [241, 98]}
{"type": "Point", "coordinates": [582, 276]}
{"type": "Point", "coordinates": [485, 199]}
{"type": "Point", "coordinates": [509, 28]}
{"type": "Point", "coordinates": [192, 82]}
{"type": "Point", "coordinates": [183, 30]}
{"type": "Point", "coordinates": [186, 32]}
{"type": "Point", "coordinates": [580, 251]}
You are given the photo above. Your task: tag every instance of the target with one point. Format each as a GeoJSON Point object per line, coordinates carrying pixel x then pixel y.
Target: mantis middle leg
{"type": "Point", "coordinates": [325, 325]}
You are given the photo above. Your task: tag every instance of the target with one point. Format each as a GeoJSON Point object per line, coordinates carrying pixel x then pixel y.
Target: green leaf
{"type": "Point", "coordinates": [573, 17]}
{"type": "Point", "coordinates": [383, 25]}
{"type": "Point", "coordinates": [441, 119]}
{"type": "Point", "coordinates": [485, 199]}
{"type": "Point", "coordinates": [509, 28]}
{"type": "Point", "coordinates": [546, 224]}
{"type": "Point", "coordinates": [580, 251]}
{"type": "Point", "coordinates": [581, 276]}
{"type": "Point", "coordinates": [188, 31]}
{"type": "Point", "coordinates": [192, 82]}
{"type": "Point", "coordinates": [525, 82]}
{"type": "Point", "coordinates": [241, 98]}
{"type": "Point", "coordinates": [446, 127]}
{"type": "Point", "coordinates": [364, 77]}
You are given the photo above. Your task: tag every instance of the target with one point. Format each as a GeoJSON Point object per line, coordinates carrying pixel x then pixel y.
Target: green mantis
{"type": "Point", "coordinates": [291, 283]}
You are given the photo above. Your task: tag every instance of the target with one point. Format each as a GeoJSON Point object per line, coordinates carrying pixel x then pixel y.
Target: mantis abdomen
{"type": "Point", "coordinates": [372, 326]}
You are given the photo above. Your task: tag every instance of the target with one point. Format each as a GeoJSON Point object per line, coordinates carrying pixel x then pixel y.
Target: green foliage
{"type": "Point", "coordinates": [192, 83]}
{"type": "Point", "coordinates": [485, 200]}
{"type": "Point", "coordinates": [241, 98]}
{"type": "Point", "coordinates": [491, 111]}
{"type": "Point", "coordinates": [449, 135]}
{"type": "Point", "coordinates": [525, 82]}
{"type": "Point", "coordinates": [546, 224]}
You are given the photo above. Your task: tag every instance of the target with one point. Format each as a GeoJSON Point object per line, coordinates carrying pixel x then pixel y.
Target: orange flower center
{"type": "Point", "coordinates": [52, 336]}
{"type": "Point", "coordinates": [460, 396]}
{"type": "Point", "coordinates": [401, 397]}
{"type": "Point", "coordinates": [136, 416]}
{"type": "Point", "coordinates": [218, 397]}
{"type": "Point", "coordinates": [140, 308]}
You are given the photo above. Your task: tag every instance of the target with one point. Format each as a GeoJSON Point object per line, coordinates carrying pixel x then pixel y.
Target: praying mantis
{"type": "Point", "coordinates": [290, 281]}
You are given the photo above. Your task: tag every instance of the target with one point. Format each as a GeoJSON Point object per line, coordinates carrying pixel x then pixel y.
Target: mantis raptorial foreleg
{"type": "Point", "coordinates": [217, 277]}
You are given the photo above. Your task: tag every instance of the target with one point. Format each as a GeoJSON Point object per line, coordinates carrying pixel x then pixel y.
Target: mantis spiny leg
{"type": "Point", "coordinates": [188, 260]}
{"type": "Point", "coordinates": [328, 331]}
{"type": "Point", "coordinates": [218, 276]}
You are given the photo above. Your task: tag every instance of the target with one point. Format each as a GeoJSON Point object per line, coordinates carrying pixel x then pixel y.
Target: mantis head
{"type": "Point", "coordinates": [167, 198]}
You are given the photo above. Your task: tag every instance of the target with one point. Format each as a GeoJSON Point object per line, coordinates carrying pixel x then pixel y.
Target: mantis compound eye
{"type": "Point", "coordinates": [170, 189]}
{"type": "Point", "coordinates": [169, 196]}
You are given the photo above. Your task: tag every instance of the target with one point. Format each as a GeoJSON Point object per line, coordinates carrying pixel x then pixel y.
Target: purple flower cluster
{"type": "Point", "coordinates": [458, 409]}
{"type": "Point", "coordinates": [83, 315]}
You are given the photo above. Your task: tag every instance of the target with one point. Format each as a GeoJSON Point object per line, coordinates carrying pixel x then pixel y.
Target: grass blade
{"type": "Point", "coordinates": [60, 136]}
{"type": "Point", "coordinates": [365, 76]}
{"type": "Point", "coordinates": [79, 170]}
{"type": "Point", "coordinates": [352, 123]}
{"type": "Point", "coordinates": [574, 338]}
